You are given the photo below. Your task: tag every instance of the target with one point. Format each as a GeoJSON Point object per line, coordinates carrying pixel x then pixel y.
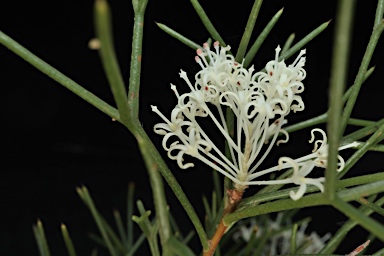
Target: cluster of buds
{"type": "Point", "coordinates": [260, 102]}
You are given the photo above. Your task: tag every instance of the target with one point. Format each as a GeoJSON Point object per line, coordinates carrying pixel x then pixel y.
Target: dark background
{"type": "Point", "coordinates": [52, 141]}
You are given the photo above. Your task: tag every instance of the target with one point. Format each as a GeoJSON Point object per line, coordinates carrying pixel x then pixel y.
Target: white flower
{"type": "Point", "coordinates": [260, 103]}
{"type": "Point", "coordinates": [299, 177]}
{"type": "Point", "coordinates": [303, 166]}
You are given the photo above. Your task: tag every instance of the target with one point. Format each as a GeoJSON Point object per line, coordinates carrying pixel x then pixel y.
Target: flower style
{"type": "Point", "coordinates": [260, 103]}
{"type": "Point", "coordinates": [303, 166]}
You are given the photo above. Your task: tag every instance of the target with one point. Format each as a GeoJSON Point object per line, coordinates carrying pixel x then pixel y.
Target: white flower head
{"type": "Point", "coordinates": [260, 103]}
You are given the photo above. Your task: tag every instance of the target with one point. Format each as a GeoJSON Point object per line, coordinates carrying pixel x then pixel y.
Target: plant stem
{"type": "Point", "coordinates": [234, 198]}
{"type": "Point", "coordinates": [379, 12]}
{"type": "Point", "coordinates": [134, 126]}
{"type": "Point", "coordinates": [340, 58]}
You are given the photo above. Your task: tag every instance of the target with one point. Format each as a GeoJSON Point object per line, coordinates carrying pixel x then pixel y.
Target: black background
{"type": "Point", "coordinates": [52, 141]}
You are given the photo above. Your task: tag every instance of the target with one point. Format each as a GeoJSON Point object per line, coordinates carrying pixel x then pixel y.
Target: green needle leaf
{"type": "Point", "coordinates": [178, 36]}
{"type": "Point", "coordinates": [370, 224]}
{"type": "Point", "coordinates": [109, 59]}
{"type": "Point", "coordinates": [178, 248]}
{"type": "Point", "coordinates": [68, 241]}
{"type": "Point", "coordinates": [248, 30]}
{"type": "Point", "coordinates": [86, 197]}
{"type": "Point", "coordinates": [293, 239]}
{"type": "Point", "coordinates": [288, 43]}
{"type": "Point", "coordinates": [38, 231]}
{"type": "Point", "coordinates": [376, 33]}
{"type": "Point", "coordinates": [299, 45]}
{"type": "Point", "coordinates": [207, 23]}
{"type": "Point", "coordinates": [260, 39]}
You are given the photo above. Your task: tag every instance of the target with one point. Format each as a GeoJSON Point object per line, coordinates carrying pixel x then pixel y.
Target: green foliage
{"type": "Point", "coordinates": [162, 233]}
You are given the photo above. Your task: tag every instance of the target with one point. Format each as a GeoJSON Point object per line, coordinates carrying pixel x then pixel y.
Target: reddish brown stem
{"type": "Point", "coordinates": [216, 239]}
{"type": "Point", "coordinates": [234, 198]}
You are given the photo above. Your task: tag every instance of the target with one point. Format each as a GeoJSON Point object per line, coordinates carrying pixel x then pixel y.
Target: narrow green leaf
{"type": "Point", "coordinates": [217, 219]}
{"type": "Point", "coordinates": [368, 223]}
{"type": "Point", "coordinates": [136, 245]}
{"type": "Point", "coordinates": [249, 208]}
{"type": "Point", "coordinates": [86, 197]}
{"type": "Point", "coordinates": [361, 191]}
{"type": "Point", "coordinates": [68, 241]}
{"type": "Point", "coordinates": [260, 39]}
{"type": "Point", "coordinates": [366, 76]}
{"type": "Point", "coordinates": [120, 228]}
{"type": "Point", "coordinates": [178, 248]}
{"type": "Point", "coordinates": [97, 239]}
{"type": "Point", "coordinates": [293, 245]}
{"type": "Point", "coordinates": [214, 204]}
{"type": "Point", "coordinates": [207, 23]}
{"type": "Point", "coordinates": [216, 184]}
{"type": "Point", "coordinates": [188, 237]}
{"type": "Point", "coordinates": [307, 123]}
{"type": "Point", "coordinates": [375, 138]}
{"type": "Point", "coordinates": [130, 200]}
{"type": "Point", "coordinates": [109, 60]}
{"type": "Point", "coordinates": [157, 192]}
{"type": "Point", "coordinates": [379, 253]}
{"type": "Point", "coordinates": [377, 148]}
{"type": "Point", "coordinates": [363, 132]}
{"type": "Point", "coordinates": [175, 186]}
{"type": "Point", "coordinates": [360, 180]}
{"type": "Point", "coordinates": [248, 30]}
{"type": "Point", "coordinates": [178, 36]}
{"type": "Point", "coordinates": [208, 213]}
{"type": "Point", "coordinates": [288, 43]}
{"type": "Point", "coordinates": [38, 231]}
{"type": "Point", "coordinates": [374, 207]}
{"type": "Point", "coordinates": [299, 45]}
{"type": "Point", "coordinates": [275, 206]}
{"type": "Point", "coordinates": [175, 227]}
{"type": "Point", "coordinates": [117, 243]}
{"type": "Point", "coordinates": [360, 122]}
{"type": "Point", "coordinates": [255, 200]}
{"type": "Point", "coordinates": [376, 33]}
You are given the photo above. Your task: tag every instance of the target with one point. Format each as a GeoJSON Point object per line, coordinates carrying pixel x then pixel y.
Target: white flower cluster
{"type": "Point", "coordinates": [279, 242]}
{"type": "Point", "coordinates": [260, 102]}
